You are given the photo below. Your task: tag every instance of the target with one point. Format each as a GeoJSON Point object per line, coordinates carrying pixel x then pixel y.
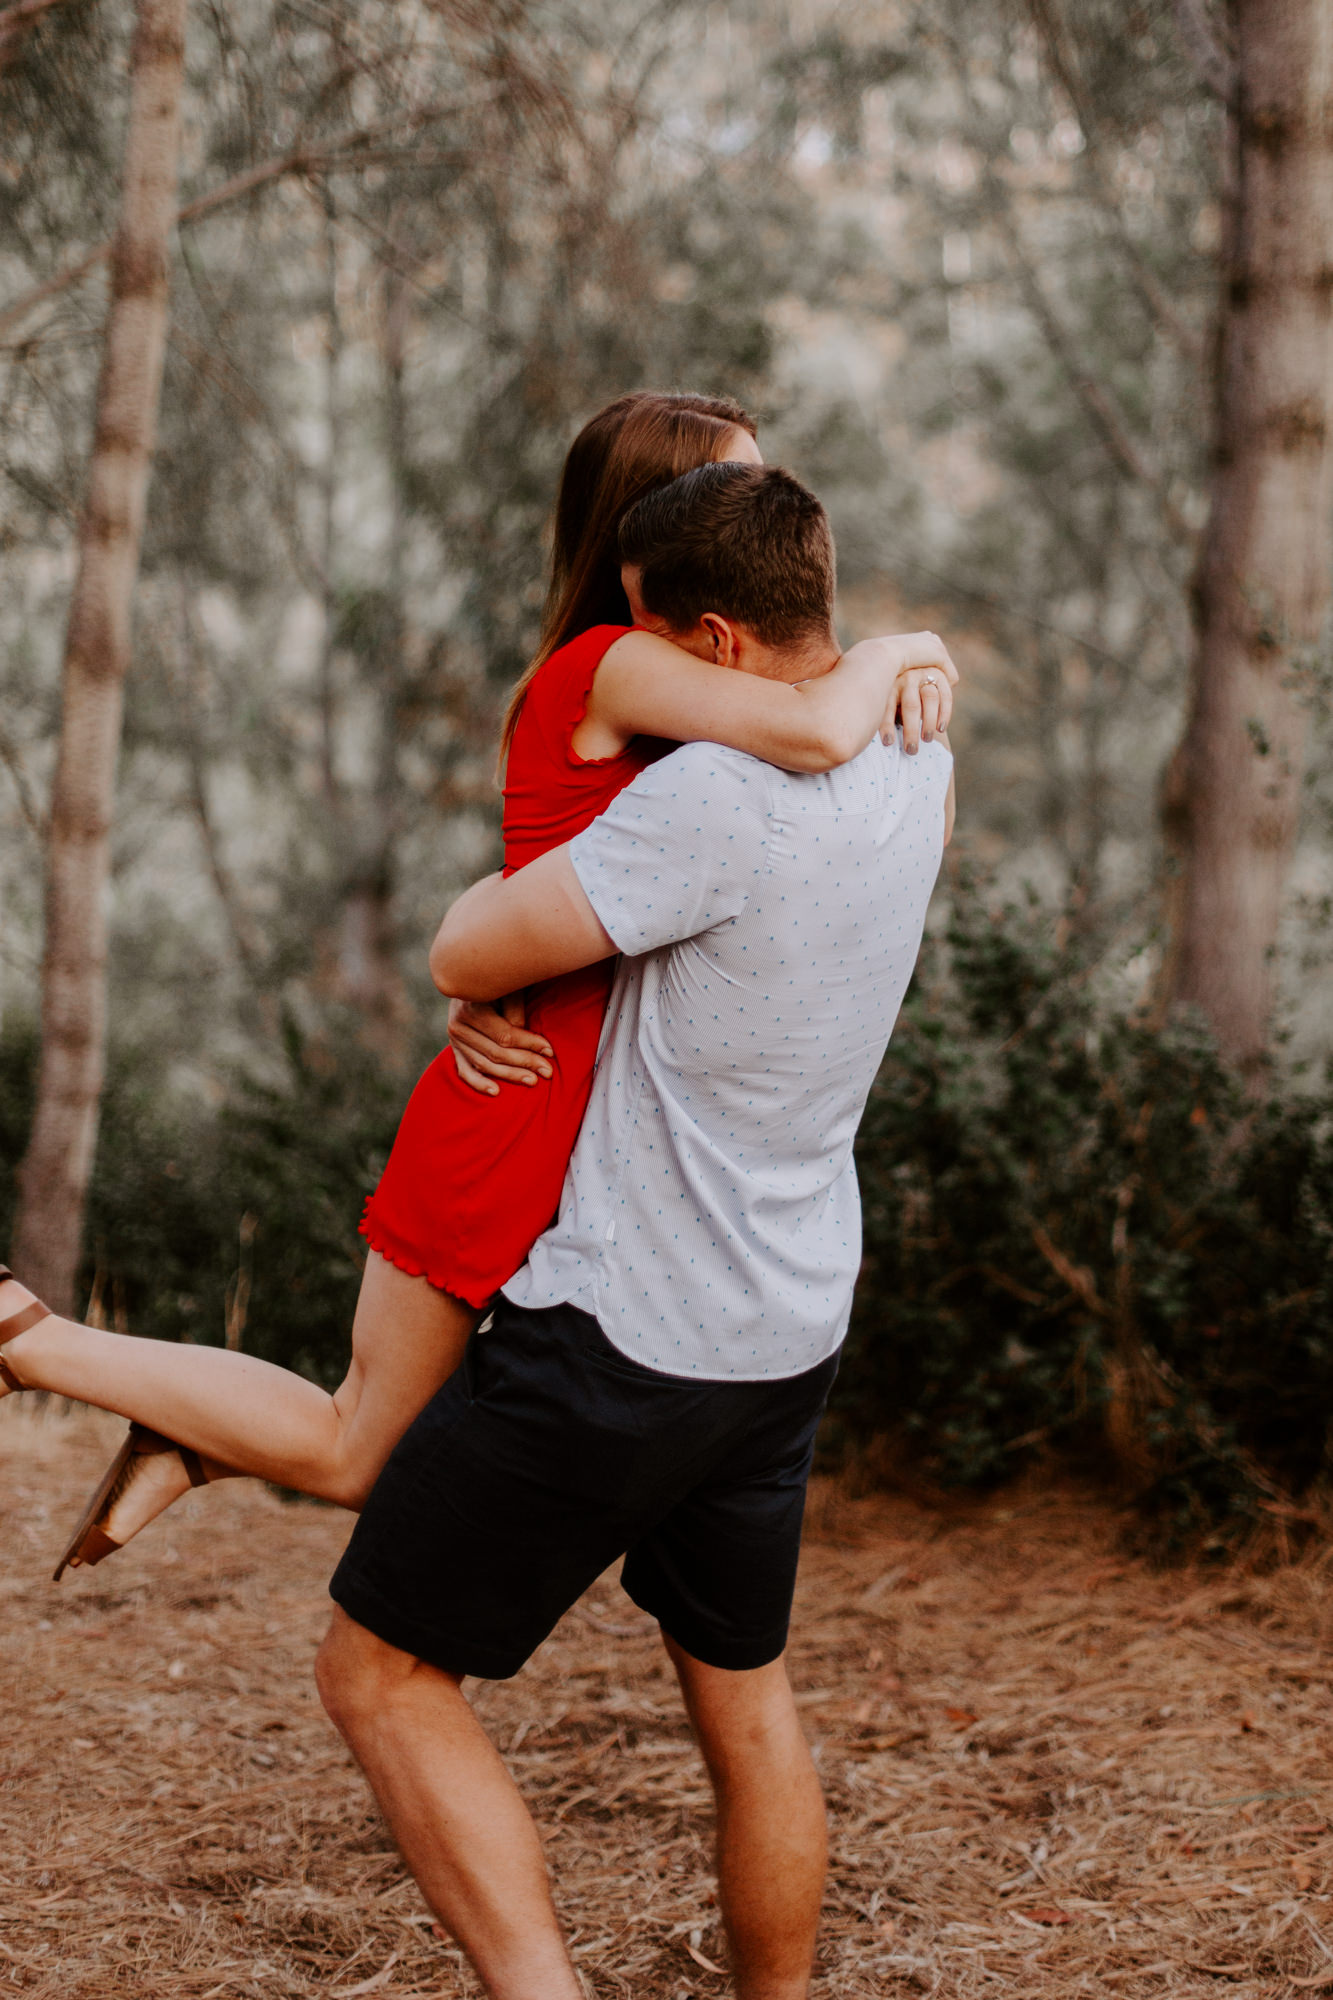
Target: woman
{"type": "Point", "coordinates": [475, 1174]}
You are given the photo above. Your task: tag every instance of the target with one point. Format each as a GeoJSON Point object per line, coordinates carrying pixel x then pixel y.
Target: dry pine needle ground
{"type": "Point", "coordinates": [1050, 1770]}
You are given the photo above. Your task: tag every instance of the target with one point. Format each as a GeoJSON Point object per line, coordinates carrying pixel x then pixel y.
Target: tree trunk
{"type": "Point", "coordinates": [328, 507]}
{"type": "Point", "coordinates": [54, 1175]}
{"type": "Point", "coordinates": [1261, 592]}
{"type": "Point", "coordinates": [369, 974]}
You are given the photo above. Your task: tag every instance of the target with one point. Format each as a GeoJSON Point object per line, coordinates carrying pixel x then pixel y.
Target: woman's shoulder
{"type": "Point", "coordinates": [561, 684]}
{"type": "Point", "coordinates": [581, 654]}
{"type": "Point", "coordinates": [545, 778]}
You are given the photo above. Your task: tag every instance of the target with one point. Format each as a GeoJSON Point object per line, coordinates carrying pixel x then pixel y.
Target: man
{"type": "Point", "coordinates": [657, 1370]}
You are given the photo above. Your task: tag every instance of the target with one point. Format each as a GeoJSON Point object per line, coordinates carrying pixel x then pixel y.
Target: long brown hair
{"type": "Point", "coordinates": [642, 440]}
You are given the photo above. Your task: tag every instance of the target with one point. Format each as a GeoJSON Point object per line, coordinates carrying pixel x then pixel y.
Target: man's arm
{"type": "Point", "coordinates": [677, 851]}
{"type": "Point", "coordinates": [505, 933]}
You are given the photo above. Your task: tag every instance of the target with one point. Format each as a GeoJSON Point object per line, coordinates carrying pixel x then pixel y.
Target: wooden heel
{"type": "Point", "coordinates": [90, 1543]}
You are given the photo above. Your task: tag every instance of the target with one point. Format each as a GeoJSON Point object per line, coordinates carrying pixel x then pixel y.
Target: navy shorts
{"type": "Point", "coordinates": [548, 1455]}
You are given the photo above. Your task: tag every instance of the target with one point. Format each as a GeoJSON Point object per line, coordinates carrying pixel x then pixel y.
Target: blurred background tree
{"type": "Point", "coordinates": [964, 261]}
{"type": "Point", "coordinates": [53, 1179]}
{"type": "Point", "coordinates": [1262, 584]}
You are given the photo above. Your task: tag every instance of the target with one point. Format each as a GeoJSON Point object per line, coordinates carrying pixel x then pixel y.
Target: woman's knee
{"type": "Point", "coordinates": [347, 1483]}
{"type": "Point", "coordinates": [337, 1472]}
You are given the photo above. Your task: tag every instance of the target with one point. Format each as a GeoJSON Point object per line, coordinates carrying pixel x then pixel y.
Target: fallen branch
{"type": "Point", "coordinates": [1005, 1283]}
{"type": "Point", "coordinates": [1075, 1276]}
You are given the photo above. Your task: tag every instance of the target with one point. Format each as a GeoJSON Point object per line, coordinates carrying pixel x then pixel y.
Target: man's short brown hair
{"type": "Point", "coordinates": [747, 541]}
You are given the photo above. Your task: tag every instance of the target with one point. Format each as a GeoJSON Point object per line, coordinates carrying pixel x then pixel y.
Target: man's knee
{"type": "Point", "coordinates": [356, 1673]}
{"type": "Point", "coordinates": [739, 1717]}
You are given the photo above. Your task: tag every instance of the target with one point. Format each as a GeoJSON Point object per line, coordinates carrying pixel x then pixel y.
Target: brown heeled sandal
{"type": "Point", "coordinates": [15, 1324]}
{"type": "Point", "coordinates": [90, 1544]}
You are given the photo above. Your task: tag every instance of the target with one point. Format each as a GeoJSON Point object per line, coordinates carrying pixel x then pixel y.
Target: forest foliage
{"type": "Point", "coordinates": [961, 257]}
{"type": "Point", "coordinates": [971, 317]}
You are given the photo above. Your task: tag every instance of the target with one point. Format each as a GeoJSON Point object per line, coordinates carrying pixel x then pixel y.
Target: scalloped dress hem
{"type": "Point", "coordinates": [396, 1252]}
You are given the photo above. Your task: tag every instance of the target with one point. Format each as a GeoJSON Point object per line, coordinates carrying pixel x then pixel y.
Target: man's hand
{"type": "Point", "coordinates": [495, 1043]}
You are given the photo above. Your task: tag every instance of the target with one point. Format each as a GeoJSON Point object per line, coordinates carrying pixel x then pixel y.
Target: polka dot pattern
{"type": "Point", "coordinates": [710, 1219]}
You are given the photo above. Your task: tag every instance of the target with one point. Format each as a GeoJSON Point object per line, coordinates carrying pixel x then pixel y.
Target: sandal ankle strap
{"type": "Point", "coordinates": [20, 1321]}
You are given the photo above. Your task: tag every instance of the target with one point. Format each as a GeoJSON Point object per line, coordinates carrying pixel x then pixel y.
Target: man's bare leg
{"type": "Point", "coordinates": [772, 1838]}
{"type": "Point", "coordinates": [453, 1809]}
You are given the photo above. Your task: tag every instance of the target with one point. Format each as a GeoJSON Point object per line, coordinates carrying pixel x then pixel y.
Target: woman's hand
{"type": "Point", "coordinates": [492, 1042]}
{"type": "Point", "coordinates": [925, 678]}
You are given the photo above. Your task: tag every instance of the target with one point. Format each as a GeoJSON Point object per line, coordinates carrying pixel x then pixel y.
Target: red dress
{"type": "Point", "coordinates": [472, 1181]}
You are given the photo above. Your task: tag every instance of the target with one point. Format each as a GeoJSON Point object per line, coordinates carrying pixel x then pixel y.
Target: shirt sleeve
{"type": "Point", "coordinates": [680, 849]}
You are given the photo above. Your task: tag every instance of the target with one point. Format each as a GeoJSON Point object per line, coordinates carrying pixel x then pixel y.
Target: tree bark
{"type": "Point", "coordinates": [328, 506]}
{"type": "Point", "coordinates": [369, 974]}
{"type": "Point", "coordinates": [1232, 796]}
{"type": "Point", "coordinates": [53, 1179]}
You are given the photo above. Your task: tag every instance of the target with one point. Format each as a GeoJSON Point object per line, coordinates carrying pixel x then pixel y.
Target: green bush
{"type": "Point", "coordinates": [249, 1207]}
{"type": "Point", "coordinates": [298, 1159]}
{"type": "Point", "coordinates": [1081, 1232]}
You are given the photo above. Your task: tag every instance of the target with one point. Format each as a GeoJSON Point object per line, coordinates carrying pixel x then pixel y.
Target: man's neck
{"type": "Point", "coordinates": [793, 663]}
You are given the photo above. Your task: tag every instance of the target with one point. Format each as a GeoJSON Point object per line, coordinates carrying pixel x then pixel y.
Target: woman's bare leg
{"type": "Point", "coordinates": [250, 1416]}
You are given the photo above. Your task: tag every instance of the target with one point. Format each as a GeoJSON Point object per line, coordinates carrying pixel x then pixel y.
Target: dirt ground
{"type": "Point", "coordinates": [1050, 1770]}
